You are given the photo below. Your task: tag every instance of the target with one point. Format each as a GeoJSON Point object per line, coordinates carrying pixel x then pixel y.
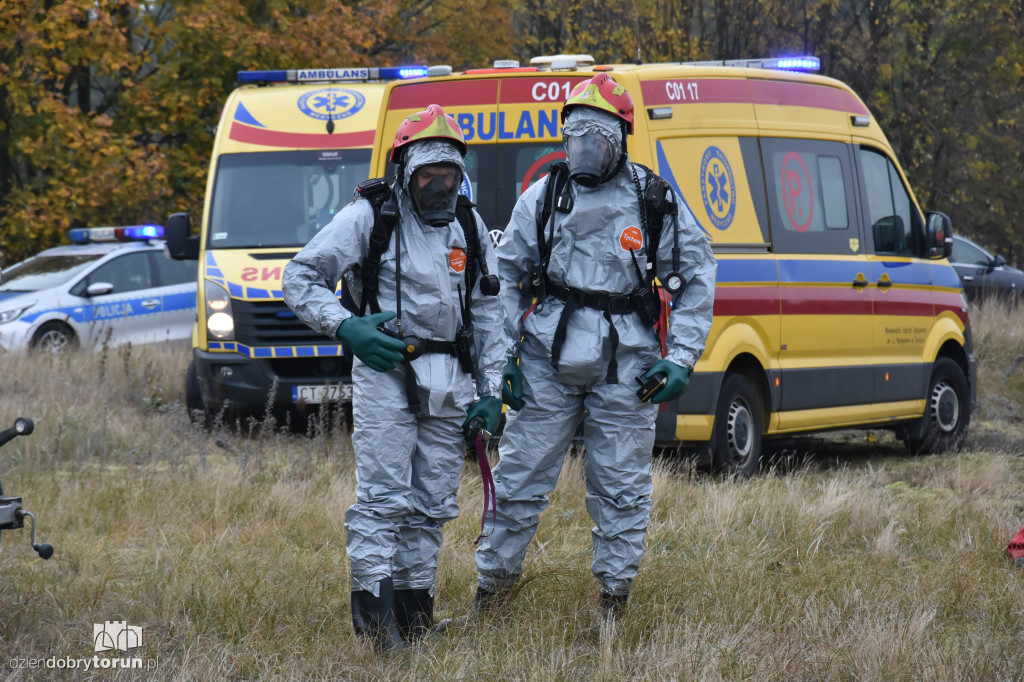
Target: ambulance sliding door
{"type": "Point", "coordinates": [826, 313]}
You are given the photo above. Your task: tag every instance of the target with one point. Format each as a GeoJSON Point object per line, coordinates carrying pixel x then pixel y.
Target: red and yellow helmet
{"type": "Point", "coordinates": [432, 123]}
{"type": "Point", "coordinates": [603, 94]}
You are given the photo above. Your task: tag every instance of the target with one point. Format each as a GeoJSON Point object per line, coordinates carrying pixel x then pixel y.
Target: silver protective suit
{"type": "Point", "coordinates": [407, 469]}
{"type": "Point", "coordinates": [590, 253]}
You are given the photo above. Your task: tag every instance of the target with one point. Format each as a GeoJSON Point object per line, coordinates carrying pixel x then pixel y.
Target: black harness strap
{"type": "Point", "coordinates": [608, 304]}
{"type": "Point", "coordinates": [642, 300]}
{"type": "Point", "coordinates": [385, 213]}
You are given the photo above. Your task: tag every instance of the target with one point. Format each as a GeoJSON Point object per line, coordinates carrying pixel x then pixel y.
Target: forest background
{"type": "Point", "coordinates": [108, 108]}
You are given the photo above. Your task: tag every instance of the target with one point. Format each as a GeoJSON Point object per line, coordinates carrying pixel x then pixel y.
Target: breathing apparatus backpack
{"type": "Point", "coordinates": [385, 216]}
{"type": "Point", "coordinates": [384, 203]}
{"type": "Point", "coordinates": [644, 299]}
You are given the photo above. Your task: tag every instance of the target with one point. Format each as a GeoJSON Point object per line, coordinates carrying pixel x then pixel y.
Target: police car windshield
{"type": "Point", "coordinates": [281, 198]}
{"type": "Point", "coordinates": [45, 272]}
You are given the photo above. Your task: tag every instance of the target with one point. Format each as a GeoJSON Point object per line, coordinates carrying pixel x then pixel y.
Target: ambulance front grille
{"type": "Point", "coordinates": [272, 323]}
{"type": "Point", "coordinates": [313, 370]}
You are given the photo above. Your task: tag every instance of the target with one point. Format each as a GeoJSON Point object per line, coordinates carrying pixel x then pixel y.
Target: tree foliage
{"type": "Point", "coordinates": [108, 107]}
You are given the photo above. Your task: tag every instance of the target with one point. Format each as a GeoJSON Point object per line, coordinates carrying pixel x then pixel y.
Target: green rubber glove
{"type": "Point", "coordinates": [489, 409]}
{"type": "Point", "coordinates": [375, 348]}
{"type": "Point", "coordinates": [512, 384]}
{"type": "Point", "coordinates": [678, 378]}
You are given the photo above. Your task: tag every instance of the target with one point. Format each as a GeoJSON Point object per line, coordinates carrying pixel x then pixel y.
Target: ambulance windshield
{"type": "Point", "coordinates": [271, 199]}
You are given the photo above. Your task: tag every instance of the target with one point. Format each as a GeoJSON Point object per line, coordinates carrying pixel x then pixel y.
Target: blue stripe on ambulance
{"type": "Point", "coordinates": [747, 270]}
{"type": "Point", "coordinates": [327, 350]}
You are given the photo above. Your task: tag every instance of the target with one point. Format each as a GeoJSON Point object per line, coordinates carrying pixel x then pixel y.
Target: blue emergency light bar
{"type": "Point", "coordinates": [796, 64]}
{"type": "Point", "coordinates": [88, 235]}
{"type": "Point", "coordinates": [808, 63]}
{"type": "Point", "coordinates": [336, 74]}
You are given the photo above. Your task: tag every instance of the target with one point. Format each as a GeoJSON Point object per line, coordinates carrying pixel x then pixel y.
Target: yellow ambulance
{"type": "Point", "coordinates": [290, 147]}
{"type": "Point", "coordinates": [835, 306]}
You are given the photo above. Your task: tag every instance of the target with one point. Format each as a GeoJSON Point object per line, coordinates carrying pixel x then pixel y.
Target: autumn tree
{"type": "Point", "coordinates": [108, 107]}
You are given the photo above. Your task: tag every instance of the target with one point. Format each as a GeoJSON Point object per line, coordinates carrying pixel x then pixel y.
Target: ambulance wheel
{"type": "Point", "coordinates": [54, 337]}
{"type": "Point", "coordinates": [947, 412]}
{"type": "Point", "coordinates": [194, 398]}
{"type": "Point", "coordinates": [736, 438]}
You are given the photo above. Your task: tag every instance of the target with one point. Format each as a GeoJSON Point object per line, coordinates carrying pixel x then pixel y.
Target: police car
{"type": "Point", "coordinates": [112, 285]}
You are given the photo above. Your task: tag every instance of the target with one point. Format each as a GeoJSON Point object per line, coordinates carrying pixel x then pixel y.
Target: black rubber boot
{"type": "Point", "coordinates": [609, 606]}
{"type": "Point", "coordinates": [414, 612]}
{"type": "Point", "coordinates": [484, 600]}
{"type": "Point", "coordinates": [373, 618]}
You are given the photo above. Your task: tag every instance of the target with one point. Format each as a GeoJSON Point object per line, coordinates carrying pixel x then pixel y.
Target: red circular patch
{"type": "Point", "coordinates": [457, 259]}
{"type": "Point", "coordinates": [631, 239]}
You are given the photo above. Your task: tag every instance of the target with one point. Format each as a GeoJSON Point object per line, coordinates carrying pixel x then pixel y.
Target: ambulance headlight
{"type": "Point", "coordinates": [219, 321]}
{"type": "Point", "coordinates": [11, 314]}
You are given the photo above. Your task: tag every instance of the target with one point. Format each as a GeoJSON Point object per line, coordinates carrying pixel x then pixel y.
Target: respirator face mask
{"type": "Point", "coordinates": [590, 158]}
{"type": "Point", "coordinates": [435, 190]}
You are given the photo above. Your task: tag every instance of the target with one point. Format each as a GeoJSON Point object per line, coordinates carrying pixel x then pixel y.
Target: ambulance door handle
{"type": "Point", "coordinates": [884, 283]}
{"type": "Point", "coordinates": [861, 281]}
{"type": "Point", "coordinates": [150, 303]}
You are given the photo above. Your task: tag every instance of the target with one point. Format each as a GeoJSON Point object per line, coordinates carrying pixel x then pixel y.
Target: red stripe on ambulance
{"type": "Point", "coordinates": [746, 301]}
{"type": "Point", "coordinates": [452, 94]}
{"type": "Point", "coordinates": [276, 138]}
{"type": "Point", "coordinates": [743, 91]}
{"type": "Point", "coordinates": [537, 90]}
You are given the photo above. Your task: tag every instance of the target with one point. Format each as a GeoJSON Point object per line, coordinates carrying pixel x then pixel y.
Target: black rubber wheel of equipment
{"type": "Point", "coordinates": [739, 421]}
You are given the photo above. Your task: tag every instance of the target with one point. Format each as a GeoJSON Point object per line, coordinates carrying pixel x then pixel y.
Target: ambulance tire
{"type": "Point", "coordinates": [197, 412]}
{"type": "Point", "coordinates": [948, 411]}
{"type": "Point", "coordinates": [739, 422]}
{"type": "Point", "coordinates": [54, 337]}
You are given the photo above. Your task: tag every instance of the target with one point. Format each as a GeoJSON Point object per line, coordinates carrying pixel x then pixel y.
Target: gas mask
{"type": "Point", "coordinates": [593, 145]}
{"type": "Point", "coordinates": [590, 158]}
{"type": "Point", "coordinates": [434, 189]}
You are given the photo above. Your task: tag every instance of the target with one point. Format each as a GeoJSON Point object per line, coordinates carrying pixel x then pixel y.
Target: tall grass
{"type": "Point", "coordinates": [227, 548]}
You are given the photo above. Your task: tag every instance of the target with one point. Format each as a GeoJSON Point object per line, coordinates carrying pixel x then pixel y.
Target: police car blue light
{"type": "Point", "coordinates": [113, 285]}
{"type": "Point", "coordinates": [89, 235]}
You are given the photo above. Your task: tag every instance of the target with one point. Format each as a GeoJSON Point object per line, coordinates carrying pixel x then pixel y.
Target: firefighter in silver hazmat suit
{"type": "Point", "coordinates": [407, 466]}
{"type": "Point", "coordinates": [587, 371]}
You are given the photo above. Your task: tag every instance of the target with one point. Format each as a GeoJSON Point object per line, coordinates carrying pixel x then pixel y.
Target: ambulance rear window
{"type": "Point", "coordinates": [281, 198]}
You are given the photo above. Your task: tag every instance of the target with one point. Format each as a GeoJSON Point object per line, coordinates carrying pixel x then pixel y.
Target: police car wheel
{"type": "Point", "coordinates": [739, 425]}
{"type": "Point", "coordinates": [947, 411]}
{"type": "Point", "coordinates": [54, 337]}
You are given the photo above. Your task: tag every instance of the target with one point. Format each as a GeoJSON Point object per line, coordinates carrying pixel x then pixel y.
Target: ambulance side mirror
{"type": "Point", "coordinates": [181, 244]}
{"type": "Point", "coordinates": [938, 236]}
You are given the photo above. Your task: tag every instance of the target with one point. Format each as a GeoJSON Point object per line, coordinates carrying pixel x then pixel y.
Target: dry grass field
{"type": "Point", "coordinates": [846, 560]}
